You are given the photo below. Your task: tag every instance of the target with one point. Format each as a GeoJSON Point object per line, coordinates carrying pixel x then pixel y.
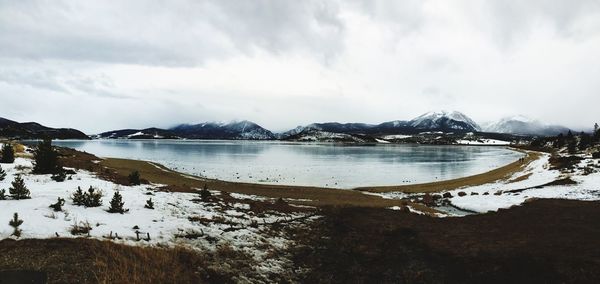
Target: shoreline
{"type": "Point", "coordinates": [310, 195]}
{"type": "Point", "coordinates": [494, 175]}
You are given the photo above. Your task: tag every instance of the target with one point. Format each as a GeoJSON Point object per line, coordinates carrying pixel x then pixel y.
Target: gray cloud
{"type": "Point", "coordinates": [165, 32]}
{"type": "Point", "coordinates": [283, 63]}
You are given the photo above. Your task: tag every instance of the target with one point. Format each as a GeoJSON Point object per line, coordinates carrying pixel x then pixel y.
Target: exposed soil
{"type": "Point", "coordinates": [549, 241]}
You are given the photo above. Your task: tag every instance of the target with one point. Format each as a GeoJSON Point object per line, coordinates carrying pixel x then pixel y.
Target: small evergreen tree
{"type": "Point", "coordinates": [2, 194]}
{"type": "Point", "coordinates": [59, 176]}
{"type": "Point", "coordinates": [18, 190]}
{"type": "Point", "coordinates": [2, 174]}
{"type": "Point", "coordinates": [560, 141]}
{"type": "Point", "coordinates": [92, 198]}
{"type": "Point", "coordinates": [58, 205]}
{"type": "Point", "coordinates": [205, 193]}
{"type": "Point", "coordinates": [8, 154]}
{"type": "Point", "coordinates": [15, 223]}
{"type": "Point", "coordinates": [585, 141]}
{"type": "Point", "coordinates": [134, 178]}
{"type": "Point", "coordinates": [149, 204]}
{"type": "Point", "coordinates": [116, 204]}
{"type": "Point", "coordinates": [572, 146]}
{"type": "Point", "coordinates": [46, 159]}
{"type": "Point", "coordinates": [78, 197]}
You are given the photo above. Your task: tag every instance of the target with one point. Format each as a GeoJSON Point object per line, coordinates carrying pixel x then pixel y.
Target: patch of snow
{"type": "Point", "coordinates": [483, 142]}
{"type": "Point", "coordinates": [397, 136]}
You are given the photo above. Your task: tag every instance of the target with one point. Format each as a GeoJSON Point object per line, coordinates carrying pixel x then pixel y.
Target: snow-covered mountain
{"type": "Point", "coordinates": [444, 121]}
{"type": "Point", "coordinates": [236, 130]}
{"type": "Point", "coordinates": [522, 125]}
{"type": "Point", "coordinates": [233, 130]}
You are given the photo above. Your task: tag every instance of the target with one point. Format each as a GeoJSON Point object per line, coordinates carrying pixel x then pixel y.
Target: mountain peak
{"type": "Point", "coordinates": [445, 120]}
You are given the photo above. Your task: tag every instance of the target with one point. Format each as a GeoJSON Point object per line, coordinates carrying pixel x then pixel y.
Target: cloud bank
{"type": "Point", "coordinates": [96, 65]}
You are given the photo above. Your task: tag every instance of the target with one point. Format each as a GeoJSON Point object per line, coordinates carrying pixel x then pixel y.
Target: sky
{"type": "Point", "coordinates": [104, 65]}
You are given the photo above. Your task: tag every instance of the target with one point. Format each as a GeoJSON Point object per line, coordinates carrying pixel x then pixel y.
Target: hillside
{"type": "Point", "coordinates": [33, 130]}
{"type": "Point", "coordinates": [237, 130]}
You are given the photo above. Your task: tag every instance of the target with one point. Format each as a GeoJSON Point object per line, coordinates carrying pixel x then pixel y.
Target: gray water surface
{"type": "Point", "coordinates": [309, 164]}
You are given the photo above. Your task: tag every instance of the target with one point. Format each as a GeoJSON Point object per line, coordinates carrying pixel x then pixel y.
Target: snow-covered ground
{"type": "Point", "coordinates": [486, 142]}
{"type": "Point", "coordinates": [587, 188]}
{"type": "Point", "coordinates": [175, 216]}
{"type": "Point", "coordinates": [522, 186]}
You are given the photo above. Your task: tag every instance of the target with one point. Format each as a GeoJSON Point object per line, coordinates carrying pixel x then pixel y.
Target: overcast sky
{"type": "Point", "coordinates": [102, 65]}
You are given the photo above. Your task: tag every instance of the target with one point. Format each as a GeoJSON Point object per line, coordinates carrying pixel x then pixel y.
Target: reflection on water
{"type": "Point", "coordinates": [313, 164]}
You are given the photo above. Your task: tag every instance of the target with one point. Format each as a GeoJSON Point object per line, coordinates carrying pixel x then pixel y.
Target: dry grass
{"type": "Point", "coordinates": [93, 261]}
{"type": "Point", "coordinates": [491, 176]}
{"type": "Point", "coordinates": [126, 264]}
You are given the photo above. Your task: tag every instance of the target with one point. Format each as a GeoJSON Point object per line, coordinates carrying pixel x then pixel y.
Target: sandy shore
{"type": "Point", "coordinates": [315, 196]}
{"type": "Point", "coordinates": [491, 176]}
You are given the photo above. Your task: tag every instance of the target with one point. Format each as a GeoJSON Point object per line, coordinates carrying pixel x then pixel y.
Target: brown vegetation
{"type": "Point", "coordinates": [543, 241]}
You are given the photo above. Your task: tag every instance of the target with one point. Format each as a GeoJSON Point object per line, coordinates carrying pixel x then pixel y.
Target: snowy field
{"type": "Point", "coordinates": [523, 186]}
{"type": "Point", "coordinates": [178, 218]}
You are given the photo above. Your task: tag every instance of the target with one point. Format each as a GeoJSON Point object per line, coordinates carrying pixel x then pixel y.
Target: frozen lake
{"type": "Point", "coordinates": [310, 164]}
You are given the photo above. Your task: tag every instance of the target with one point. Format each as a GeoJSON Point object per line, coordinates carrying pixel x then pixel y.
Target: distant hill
{"type": "Point", "coordinates": [148, 133]}
{"type": "Point", "coordinates": [33, 130]}
{"type": "Point", "coordinates": [245, 130]}
{"type": "Point", "coordinates": [522, 125]}
{"type": "Point", "coordinates": [237, 130]}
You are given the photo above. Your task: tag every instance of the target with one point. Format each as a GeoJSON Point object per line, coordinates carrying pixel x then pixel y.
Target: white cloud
{"type": "Point", "coordinates": [96, 66]}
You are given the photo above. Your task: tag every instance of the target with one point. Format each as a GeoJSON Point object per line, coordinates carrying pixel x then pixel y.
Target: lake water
{"type": "Point", "coordinates": [311, 164]}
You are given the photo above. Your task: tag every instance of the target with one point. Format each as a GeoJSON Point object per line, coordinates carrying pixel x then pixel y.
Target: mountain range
{"type": "Point", "coordinates": [449, 122]}
{"type": "Point", "coordinates": [434, 123]}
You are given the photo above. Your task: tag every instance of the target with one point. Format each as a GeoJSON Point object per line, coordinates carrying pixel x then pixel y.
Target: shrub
{"type": "Point", "coordinates": [92, 198]}
{"type": "Point", "coordinates": [116, 204]}
{"type": "Point", "coordinates": [134, 178]}
{"type": "Point", "coordinates": [58, 205]}
{"type": "Point", "coordinates": [596, 155]}
{"type": "Point", "coordinates": [15, 223]}
{"type": "Point", "coordinates": [81, 228]}
{"type": "Point", "coordinates": [205, 193]}
{"type": "Point", "coordinates": [2, 194]}
{"type": "Point", "coordinates": [8, 154]}
{"type": "Point", "coordinates": [18, 190]}
{"type": "Point", "coordinates": [59, 177]}
{"type": "Point", "coordinates": [78, 197]}
{"type": "Point", "coordinates": [149, 204]}
{"type": "Point", "coordinates": [2, 174]}
{"type": "Point", "coordinates": [46, 159]}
